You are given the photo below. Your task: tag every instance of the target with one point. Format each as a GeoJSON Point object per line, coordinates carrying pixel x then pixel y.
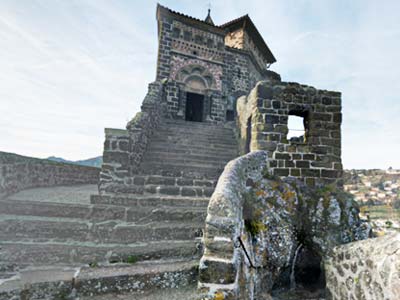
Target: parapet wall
{"type": "Point", "coordinates": [124, 149]}
{"type": "Point", "coordinates": [263, 120]}
{"type": "Point", "coordinates": [367, 270]}
{"type": "Point", "coordinates": [21, 172]}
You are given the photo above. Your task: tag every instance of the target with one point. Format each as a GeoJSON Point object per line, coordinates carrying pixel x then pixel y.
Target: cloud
{"type": "Point", "coordinates": [71, 68]}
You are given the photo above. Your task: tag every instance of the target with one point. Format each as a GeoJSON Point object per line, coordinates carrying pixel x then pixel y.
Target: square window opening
{"type": "Point", "coordinates": [297, 127]}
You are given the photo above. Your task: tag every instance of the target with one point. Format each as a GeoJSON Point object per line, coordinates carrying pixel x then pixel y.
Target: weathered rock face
{"type": "Point", "coordinates": [256, 222]}
{"type": "Point", "coordinates": [365, 270]}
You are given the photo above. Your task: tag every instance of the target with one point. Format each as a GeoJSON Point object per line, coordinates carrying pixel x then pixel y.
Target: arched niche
{"type": "Point", "coordinates": [194, 74]}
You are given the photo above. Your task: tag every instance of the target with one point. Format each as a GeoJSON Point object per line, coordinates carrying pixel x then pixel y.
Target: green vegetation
{"type": "Point", "coordinates": [93, 264]}
{"type": "Point", "coordinates": [131, 259]}
{"type": "Point", "coordinates": [254, 227]}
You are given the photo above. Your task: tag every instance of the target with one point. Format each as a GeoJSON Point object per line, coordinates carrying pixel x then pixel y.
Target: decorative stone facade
{"type": "Point", "coordinates": [263, 120]}
{"type": "Point", "coordinates": [366, 270]}
{"type": "Point", "coordinates": [198, 57]}
{"type": "Point", "coordinates": [20, 172]}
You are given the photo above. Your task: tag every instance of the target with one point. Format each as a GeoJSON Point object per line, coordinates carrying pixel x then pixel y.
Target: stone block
{"type": "Point", "coordinates": [138, 180]}
{"type": "Point", "coordinates": [281, 172]}
{"type": "Point", "coordinates": [116, 157]}
{"type": "Point", "coordinates": [188, 192]}
{"type": "Point", "coordinates": [289, 164]}
{"type": "Point", "coordinates": [160, 180]}
{"type": "Point", "coordinates": [169, 190]}
{"type": "Point", "coordinates": [184, 181]}
{"type": "Point", "coordinates": [294, 172]}
{"type": "Point", "coordinates": [285, 156]}
{"type": "Point", "coordinates": [218, 272]}
{"type": "Point", "coordinates": [330, 173]}
{"type": "Point", "coordinates": [322, 117]}
{"type": "Point", "coordinates": [302, 164]}
{"type": "Point", "coordinates": [272, 119]}
{"type": "Point", "coordinates": [310, 173]}
{"type": "Point", "coordinates": [308, 156]}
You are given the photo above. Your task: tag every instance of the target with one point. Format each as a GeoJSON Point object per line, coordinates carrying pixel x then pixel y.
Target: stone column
{"type": "Point", "coordinates": [208, 99]}
{"type": "Point", "coordinates": [181, 103]}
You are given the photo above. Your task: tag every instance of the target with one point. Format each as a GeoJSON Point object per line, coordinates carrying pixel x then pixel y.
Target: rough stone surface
{"type": "Point", "coordinates": [365, 270]}
{"type": "Point", "coordinates": [254, 212]}
{"type": "Point", "coordinates": [20, 172]}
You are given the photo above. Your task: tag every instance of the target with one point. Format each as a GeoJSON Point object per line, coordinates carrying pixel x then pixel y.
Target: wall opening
{"type": "Point", "coordinates": [297, 126]}
{"type": "Point", "coordinates": [194, 107]}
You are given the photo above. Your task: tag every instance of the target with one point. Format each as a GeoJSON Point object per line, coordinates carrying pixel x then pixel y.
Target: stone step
{"type": "Point", "coordinates": [77, 282]}
{"type": "Point", "coordinates": [195, 134]}
{"type": "Point", "coordinates": [189, 292]}
{"type": "Point", "coordinates": [150, 201]}
{"type": "Point", "coordinates": [26, 253]}
{"type": "Point", "coordinates": [185, 191]}
{"type": "Point", "coordinates": [150, 158]}
{"type": "Point", "coordinates": [204, 125]}
{"type": "Point", "coordinates": [195, 141]}
{"type": "Point", "coordinates": [31, 228]}
{"type": "Point", "coordinates": [181, 170]}
{"type": "Point", "coordinates": [98, 213]}
{"type": "Point", "coordinates": [200, 134]}
{"type": "Point", "coordinates": [226, 154]}
{"type": "Point", "coordinates": [172, 181]}
{"type": "Point", "coordinates": [206, 159]}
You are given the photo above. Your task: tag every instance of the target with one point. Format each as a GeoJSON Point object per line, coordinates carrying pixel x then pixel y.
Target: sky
{"type": "Point", "coordinates": [70, 68]}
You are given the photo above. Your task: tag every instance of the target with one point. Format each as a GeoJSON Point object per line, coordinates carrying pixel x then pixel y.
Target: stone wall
{"type": "Point", "coordinates": [365, 270]}
{"type": "Point", "coordinates": [314, 157]}
{"type": "Point", "coordinates": [21, 172]}
{"type": "Point", "coordinates": [124, 149]}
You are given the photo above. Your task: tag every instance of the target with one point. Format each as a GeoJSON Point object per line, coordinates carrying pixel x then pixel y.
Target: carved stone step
{"type": "Point", "coordinates": [182, 170]}
{"type": "Point", "coordinates": [226, 154]}
{"type": "Point", "coordinates": [61, 282]}
{"type": "Point", "coordinates": [17, 228]}
{"type": "Point", "coordinates": [99, 213]}
{"type": "Point", "coordinates": [185, 158]}
{"type": "Point", "coordinates": [46, 253]}
{"type": "Point", "coordinates": [150, 201]}
{"type": "Point", "coordinates": [173, 181]}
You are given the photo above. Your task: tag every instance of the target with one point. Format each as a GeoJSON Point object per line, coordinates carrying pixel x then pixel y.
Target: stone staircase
{"type": "Point", "coordinates": [162, 217]}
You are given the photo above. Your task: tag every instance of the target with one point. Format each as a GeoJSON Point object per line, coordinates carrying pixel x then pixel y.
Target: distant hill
{"type": "Point", "coordinates": [92, 162]}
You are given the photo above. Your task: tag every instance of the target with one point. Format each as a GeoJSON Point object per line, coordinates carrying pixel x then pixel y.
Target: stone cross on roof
{"type": "Point", "coordinates": [208, 19]}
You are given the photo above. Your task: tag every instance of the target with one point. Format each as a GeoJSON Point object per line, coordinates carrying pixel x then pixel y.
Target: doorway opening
{"type": "Point", "coordinates": [194, 107]}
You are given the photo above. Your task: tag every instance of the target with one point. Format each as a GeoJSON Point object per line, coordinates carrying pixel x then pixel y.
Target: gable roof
{"type": "Point", "coordinates": [204, 24]}
{"type": "Point", "coordinates": [247, 24]}
{"type": "Point", "coordinates": [243, 22]}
